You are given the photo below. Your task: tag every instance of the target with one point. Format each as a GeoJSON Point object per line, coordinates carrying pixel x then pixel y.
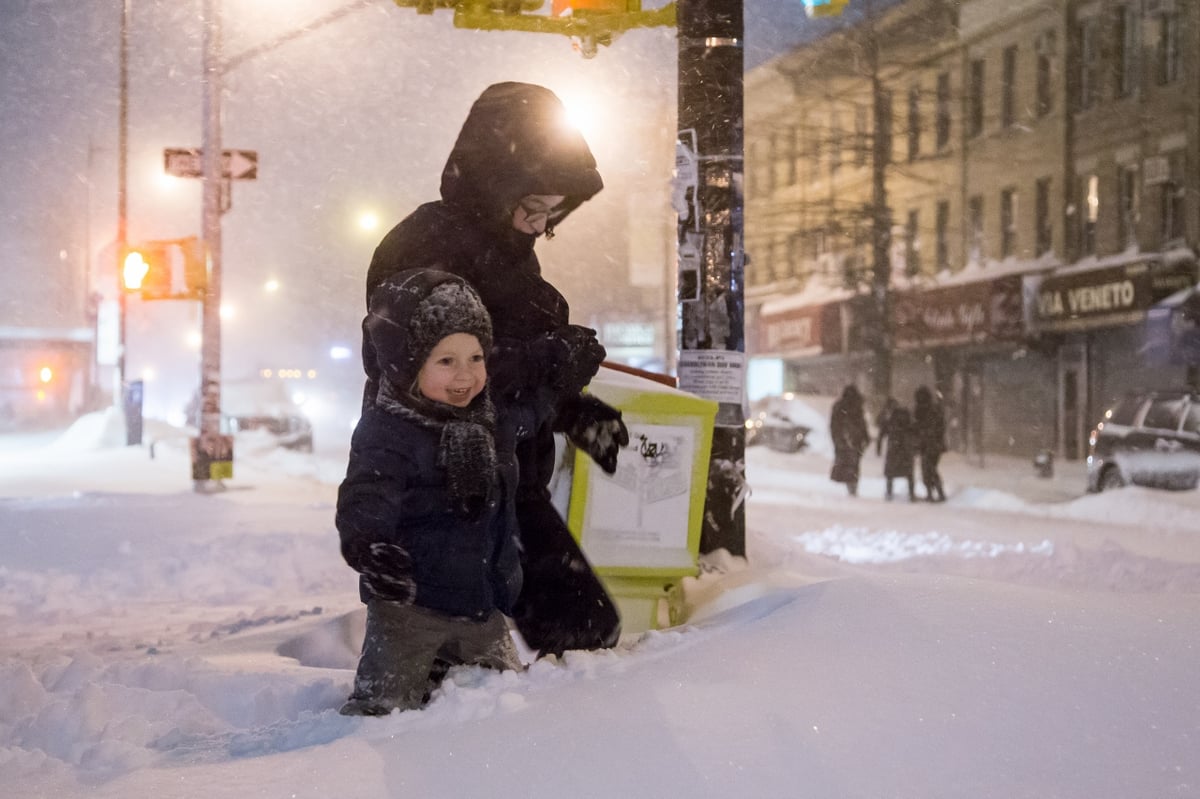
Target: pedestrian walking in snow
{"type": "Point", "coordinates": [426, 513]}
{"type": "Point", "coordinates": [515, 173]}
{"type": "Point", "coordinates": [848, 428]}
{"type": "Point", "coordinates": [881, 421]}
{"type": "Point", "coordinates": [929, 418]}
{"type": "Point", "coordinates": [899, 433]}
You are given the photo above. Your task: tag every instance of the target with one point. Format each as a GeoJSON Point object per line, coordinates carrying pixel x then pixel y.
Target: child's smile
{"type": "Point", "coordinates": [454, 372]}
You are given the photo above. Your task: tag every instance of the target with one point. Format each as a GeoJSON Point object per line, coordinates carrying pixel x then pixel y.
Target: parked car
{"type": "Point", "coordinates": [261, 405]}
{"type": "Point", "coordinates": [773, 425]}
{"type": "Point", "coordinates": [1149, 438]}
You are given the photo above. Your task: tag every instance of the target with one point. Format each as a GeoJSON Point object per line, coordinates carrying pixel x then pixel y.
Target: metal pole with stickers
{"type": "Point", "coordinates": [708, 203]}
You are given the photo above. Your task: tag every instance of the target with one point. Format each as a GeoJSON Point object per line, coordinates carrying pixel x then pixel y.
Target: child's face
{"type": "Point", "coordinates": [454, 372]}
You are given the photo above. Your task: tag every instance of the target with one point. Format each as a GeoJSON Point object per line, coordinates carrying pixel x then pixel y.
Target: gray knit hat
{"type": "Point", "coordinates": [412, 311]}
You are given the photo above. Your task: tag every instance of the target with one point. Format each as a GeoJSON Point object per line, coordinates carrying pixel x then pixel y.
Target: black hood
{"type": "Point", "coordinates": [517, 141]}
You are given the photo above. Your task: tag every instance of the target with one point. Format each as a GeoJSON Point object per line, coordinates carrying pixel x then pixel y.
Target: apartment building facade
{"type": "Point", "coordinates": [1041, 196]}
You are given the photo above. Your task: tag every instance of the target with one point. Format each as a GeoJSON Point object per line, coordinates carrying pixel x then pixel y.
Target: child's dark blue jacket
{"type": "Point", "coordinates": [396, 493]}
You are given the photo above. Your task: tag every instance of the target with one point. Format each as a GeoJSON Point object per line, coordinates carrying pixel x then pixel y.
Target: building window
{"type": "Point", "coordinates": [884, 126]}
{"type": "Point", "coordinates": [943, 110]}
{"type": "Point", "coordinates": [1127, 41]}
{"type": "Point", "coordinates": [794, 255]}
{"type": "Point", "coordinates": [1045, 73]}
{"type": "Point", "coordinates": [1008, 88]}
{"type": "Point", "coordinates": [1168, 47]}
{"type": "Point", "coordinates": [835, 145]}
{"type": "Point", "coordinates": [1172, 199]}
{"type": "Point", "coordinates": [773, 161]}
{"type": "Point", "coordinates": [862, 137]}
{"type": "Point", "coordinates": [1089, 206]}
{"type": "Point", "coordinates": [814, 155]}
{"type": "Point", "coordinates": [1008, 222]}
{"type": "Point", "coordinates": [790, 154]}
{"type": "Point", "coordinates": [914, 123]}
{"type": "Point", "coordinates": [912, 244]}
{"type": "Point", "coordinates": [943, 235]}
{"type": "Point", "coordinates": [753, 179]}
{"type": "Point", "coordinates": [975, 111]}
{"type": "Point", "coordinates": [1089, 63]}
{"type": "Point", "coordinates": [1045, 226]}
{"type": "Point", "coordinates": [975, 217]}
{"type": "Point", "coordinates": [1128, 205]}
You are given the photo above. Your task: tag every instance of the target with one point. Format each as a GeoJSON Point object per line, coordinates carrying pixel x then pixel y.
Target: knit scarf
{"type": "Point", "coordinates": [466, 450]}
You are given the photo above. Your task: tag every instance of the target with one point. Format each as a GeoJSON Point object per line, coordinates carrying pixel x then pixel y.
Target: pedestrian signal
{"type": "Point", "coordinates": [171, 269]}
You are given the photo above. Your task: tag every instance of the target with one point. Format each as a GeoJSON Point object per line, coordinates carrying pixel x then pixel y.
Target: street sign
{"type": "Point", "coordinates": [189, 163]}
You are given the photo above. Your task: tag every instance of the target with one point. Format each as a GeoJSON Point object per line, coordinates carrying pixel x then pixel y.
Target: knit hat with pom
{"type": "Point", "coordinates": [412, 311]}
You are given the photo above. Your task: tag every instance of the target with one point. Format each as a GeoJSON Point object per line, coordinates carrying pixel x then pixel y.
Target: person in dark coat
{"type": "Point", "coordinates": [426, 511]}
{"type": "Point", "coordinates": [929, 419]}
{"type": "Point", "coordinates": [898, 431]}
{"type": "Point", "coordinates": [848, 428]}
{"type": "Point", "coordinates": [515, 172]}
{"type": "Point", "coordinates": [882, 419]}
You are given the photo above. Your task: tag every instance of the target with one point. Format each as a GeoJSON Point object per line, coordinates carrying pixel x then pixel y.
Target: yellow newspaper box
{"type": "Point", "coordinates": [640, 527]}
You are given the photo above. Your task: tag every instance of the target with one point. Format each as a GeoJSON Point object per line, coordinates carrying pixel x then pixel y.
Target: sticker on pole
{"type": "Point", "coordinates": [212, 457]}
{"type": "Point", "coordinates": [718, 375]}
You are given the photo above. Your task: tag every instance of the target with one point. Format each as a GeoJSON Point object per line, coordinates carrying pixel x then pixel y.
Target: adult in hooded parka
{"type": "Point", "coordinates": [516, 171]}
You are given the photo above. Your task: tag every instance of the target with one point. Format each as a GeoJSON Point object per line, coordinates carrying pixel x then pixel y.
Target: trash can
{"type": "Point", "coordinates": [640, 527]}
{"type": "Point", "coordinates": [131, 401]}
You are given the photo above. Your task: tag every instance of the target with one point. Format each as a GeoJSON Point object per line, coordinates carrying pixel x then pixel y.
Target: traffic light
{"type": "Point", "coordinates": [825, 8]}
{"type": "Point", "coordinates": [171, 269]}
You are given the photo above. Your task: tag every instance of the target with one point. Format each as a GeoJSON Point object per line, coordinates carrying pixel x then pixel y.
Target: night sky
{"type": "Point", "coordinates": [357, 116]}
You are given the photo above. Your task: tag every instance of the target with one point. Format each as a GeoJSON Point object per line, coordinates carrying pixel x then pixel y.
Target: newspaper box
{"type": "Point", "coordinates": [640, 527]}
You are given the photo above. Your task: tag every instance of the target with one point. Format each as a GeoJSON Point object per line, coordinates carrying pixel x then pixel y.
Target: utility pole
{"type": "Point", "coordinates": [210, 449]}
{"type": "Point", "coordinates": [711, 281]}
{"type": "Point", "coordinates": [881, 222]}
{"type": "Point", "coordinates": [119, 382]}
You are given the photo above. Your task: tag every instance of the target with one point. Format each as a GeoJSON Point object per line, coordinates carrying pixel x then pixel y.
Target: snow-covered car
{"type": "Point", "coordinates": [263, 406]}
{"type": "Point", "coordinates": [1149, 438]}
{"type": "Point", "coordinates": [783, 422]}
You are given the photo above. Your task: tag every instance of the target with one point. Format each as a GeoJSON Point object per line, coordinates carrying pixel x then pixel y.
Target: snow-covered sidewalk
{"type": "Point", "coordinates": [155, 642]}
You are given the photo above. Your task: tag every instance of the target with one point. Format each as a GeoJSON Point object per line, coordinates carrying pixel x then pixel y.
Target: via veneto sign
{"type": "Point", "coordinates": [188, 162]}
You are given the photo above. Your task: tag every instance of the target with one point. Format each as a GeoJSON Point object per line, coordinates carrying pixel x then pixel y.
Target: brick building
{"type": "Point", "coordinates": [1038, 187]}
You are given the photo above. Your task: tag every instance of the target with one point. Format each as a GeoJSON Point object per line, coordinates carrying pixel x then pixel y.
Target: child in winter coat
{"type": "Point", "coordinates": [426, 512]}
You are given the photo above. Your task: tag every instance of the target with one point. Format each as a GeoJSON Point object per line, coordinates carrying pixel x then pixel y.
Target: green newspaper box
{"type": "Point", "coordinates": [640, 527]}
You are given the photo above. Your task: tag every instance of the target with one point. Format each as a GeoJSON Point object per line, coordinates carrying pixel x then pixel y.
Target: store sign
{"type": "Point", "coordinates": [810, 330]}
{"type": "Point", "coordinates": [987, 310]}
{"type": "Point", "coordinates": [1110, 296]}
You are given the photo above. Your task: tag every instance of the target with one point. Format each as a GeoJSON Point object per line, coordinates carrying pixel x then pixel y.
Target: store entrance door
{"type": "Point", "coordinates": [1072, 385]}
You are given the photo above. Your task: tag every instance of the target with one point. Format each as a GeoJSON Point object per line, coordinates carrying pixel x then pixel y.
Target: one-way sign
{"type": "Point", "coordinates": [189, 163]}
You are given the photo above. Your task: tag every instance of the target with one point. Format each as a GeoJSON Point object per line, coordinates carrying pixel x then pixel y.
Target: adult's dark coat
{"type": "Point", "coordinates": [848, 429]}
{"type": "Point", "coordinates": [515, 142]}
{"type": "Point", "coordinates": [900, 436]}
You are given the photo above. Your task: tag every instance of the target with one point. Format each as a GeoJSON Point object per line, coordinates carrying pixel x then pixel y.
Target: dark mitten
{"type": "Point", "coordinates": [570, 356]}
{"type": "Point", "coordinates": [563, 604]}
{"type": "Point", "coordinates": [595, 427]}
{"type": "Point", "coordinates": [387, 568]}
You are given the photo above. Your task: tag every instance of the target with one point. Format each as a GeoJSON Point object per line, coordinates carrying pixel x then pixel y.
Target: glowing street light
{"type": "Point", "coordinates": [368, 220]}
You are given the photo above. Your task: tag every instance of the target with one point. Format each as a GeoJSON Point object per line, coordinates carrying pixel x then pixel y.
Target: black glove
{"type": "Point", "coordinates": [595, 427]}
{"type": "Point", "coordinates": [387, 568]}
{"type": "Point", "coordinates": [572, 357]}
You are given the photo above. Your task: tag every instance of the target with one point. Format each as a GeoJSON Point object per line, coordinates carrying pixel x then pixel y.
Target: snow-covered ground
{"type": "Point", "coordinates": [1021, 640]}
